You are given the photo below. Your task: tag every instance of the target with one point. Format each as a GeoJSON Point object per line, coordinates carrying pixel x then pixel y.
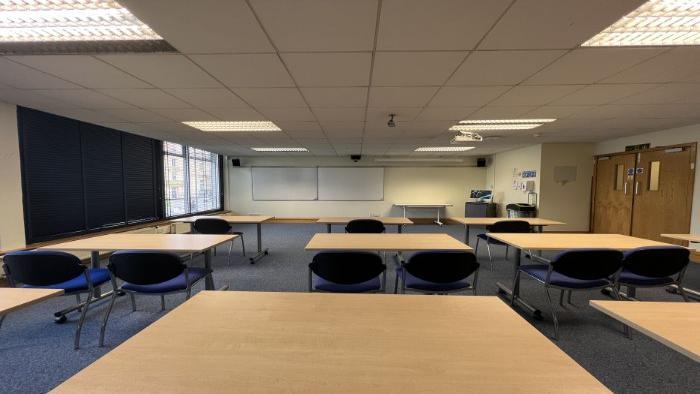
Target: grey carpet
{"type": "Point", "coordinates": [36, 354]}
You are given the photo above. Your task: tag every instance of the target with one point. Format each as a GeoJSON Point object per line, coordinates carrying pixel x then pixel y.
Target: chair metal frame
{"type": "Point", "coordinates": [230, 247]}
{"type": "Point", "coordinates": [631, 289]}
{"type": "Point", "coordinates": [488, 242]}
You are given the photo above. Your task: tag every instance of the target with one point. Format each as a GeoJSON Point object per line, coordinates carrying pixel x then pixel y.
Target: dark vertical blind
{"type": "Point", "coordinates": [79, 177]}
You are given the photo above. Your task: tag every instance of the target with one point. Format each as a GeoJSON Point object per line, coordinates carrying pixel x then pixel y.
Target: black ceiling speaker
{"type": "Point", "coordinates": [481, 162]}
{"type": "Point", "coordinates": [236, 162]}
{"type": "Point", "coordinates": [355, 158]}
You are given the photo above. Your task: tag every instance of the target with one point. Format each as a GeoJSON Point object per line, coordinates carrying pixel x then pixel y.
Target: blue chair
{"type": "Point", "coordinates": [367, 226]}
{"type": "Point", "coordinates": [503, 226]}
{"type": "Point", "coordinates": [149, 273]}
{"type": "Point", "coordinates": [218, 226]}
{"type": "Point", "coordinates": [438, 272]}
{"type": "Point", "coordinates": [586, 269]}
{"type": "Point", "coordinates": [347, 272]}
{"type": "Point", "coordinates": [48, 269]}
{"type": "Point", "coordinates": [656, 266]}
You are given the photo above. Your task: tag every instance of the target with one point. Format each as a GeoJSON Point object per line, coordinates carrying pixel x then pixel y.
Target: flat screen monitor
{"type": "Point", "coordinates": [481, 194]}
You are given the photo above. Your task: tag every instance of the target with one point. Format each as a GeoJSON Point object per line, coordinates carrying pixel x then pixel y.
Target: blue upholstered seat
{"type": "Point", "coordinates": [176, 284]}
{"type": "Point", "coordinates": [98, 276]}
{"type": "Point", "coordinates": [539, 272]}
{"type": "Point", "coordinates": [321, 284]}
{"type": "Point", "coordinates": [415, 283]}
{"type": "Point", "coordinates": [627, 277]}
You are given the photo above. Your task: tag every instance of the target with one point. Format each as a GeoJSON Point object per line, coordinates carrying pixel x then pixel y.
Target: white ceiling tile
{"type": "Point", "coordinates": [272, 97]}
{"type": "Point", "coordinates": [665, 94]}
{"type": "Point", "coordinates": [557, 111]}
{"type": "Point", "coordinates": [554, 24]}
{"type": "Point", "coordinates": [296, 126]}
{"type": "Point", "coordinates": [501, 67]}
{"type": "Point", "coordinates": [83, 98]}
{"type": "Point", "coordinates": [400, 96]}
{"type": "Point", "coordinates": [335, 97]}
{"type": "Point", "coordinates": [318, 25]}
{"type": "Point", "coordinates": [414, 68]}
{"type": "Point", "coordinates": [33, 99]}
{"type": "Point", "coordinates": [86, 71]}
{"type": "Point", "coordinates": [246, 70]}
{"type": "Point", "coordinates": [340, 114]}
{"type": "Point", "coordinates": [185, 114]}
{"type": "Point", "coordinates": [146, 98]}
{"type": "Point", "coordinates": [501, 112]}
{"type": "Point", "coordinates": [445, 113]}
{"type": "Point", "coordinates": [674, 65]}
{"type": "Point", "coordinates": [380, 115]}
{"type": "Point", "coordinates": [163, 70]}
{"type": "Point", "coordinates": [203, 26]}
{"type": "Point", "coordinates": [329, 69]}
{"type": "Point", "coordinates": [135, 115]}
{"type": "Point", "coordinates": [86, 115]}
{"type": "Point", "coordinates": [280, 114]}
{"type": "Point", "coordinates": [436, 25]}
{"type": "Point", "coordinates": [468, 96]}
{"type": "Point", "coordinates": [23, 77]}
{"type": "Point", "coordinates": [343, 128]}
{"type": "Point", "coordinates": [589, 65]}
{"type": "Point", "coordinates": [534, 95]}
{"type": "Point", "coordinates": [600, 94]}
{"type": "Point", "coordinates": [208, 98]}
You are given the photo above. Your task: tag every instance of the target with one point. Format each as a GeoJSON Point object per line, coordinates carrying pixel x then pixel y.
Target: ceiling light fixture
{"type": "Point", "coordinates": [467, 136]}
{"type": "Point", "coordinates": [505, 121]}
{"type": "Point", "coordinates": [241, 126]}
{"type": "Point", "coordinates": [444, 148]}
{"type": "Point", "coordinates": [280, 149]}
{"type": "Point", "coordinates": [69, 20]}
{"type": "Point", "coordinates": [486, 127]}
{"type": "Point", "coordinates": [656, 22]}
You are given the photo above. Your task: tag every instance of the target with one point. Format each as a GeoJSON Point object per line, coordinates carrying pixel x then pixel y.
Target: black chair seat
{"type": "Point", "coordinates": [98, 276]}
{"type": "Point", "coordinates": [630, 278]}
{"type": "Point", "coordinates": [177, 283]}
{"type": "Point", "coordinates": [416, 283]}
{"type": "Point", "coordinates": [539, 272]}
{"type": "Point", "coordinates": [321, 284]}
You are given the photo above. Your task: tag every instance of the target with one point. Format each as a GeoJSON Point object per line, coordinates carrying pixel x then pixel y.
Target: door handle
{"type": "Point", "coordinates": [636, 188]}
{"type": "Point", "coordinates": [625, 188]}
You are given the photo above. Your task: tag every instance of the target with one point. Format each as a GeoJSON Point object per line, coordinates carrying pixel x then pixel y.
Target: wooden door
{"type": "Point", "coordinates": [663, 192]}
{"type": "Point", "coordinates": [612, 205]}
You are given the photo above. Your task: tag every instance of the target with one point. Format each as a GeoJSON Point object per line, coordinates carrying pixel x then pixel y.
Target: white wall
{"type": "Point", "coordinates": [678, 135]}
{"type": "Point", "coordinates": [11, 208]}
{"type": "Point", "coordinates": [414, 184]}
{"type": "Point", "coordinates": [500, 174]}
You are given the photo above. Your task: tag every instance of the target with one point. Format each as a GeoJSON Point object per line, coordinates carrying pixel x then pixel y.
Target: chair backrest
{"type": "Point", "coordinates": [144, 267]}
{"type": "Point", "coordinates": [347, 268]}
{"type": "Point", "coordinates": [588, 264]}
{"type": "Point", "coordinates": [41, 267]}
{"type": "Point", "coordinates": [510, 226]}
{"type": "Point", "coordinates": [211, 226]}
{"type": "Point", "coordinates": [442, 266]}
{"type": "Point", "coordinates": [365, 226]}
{"type": "Point", "coordinates": [656, 261]}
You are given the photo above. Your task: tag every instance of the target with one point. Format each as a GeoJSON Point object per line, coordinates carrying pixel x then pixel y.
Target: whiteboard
{"type": "Point", "coordinates": [284, 183]}
{"type": "Point", "coordinates": [351, 183]}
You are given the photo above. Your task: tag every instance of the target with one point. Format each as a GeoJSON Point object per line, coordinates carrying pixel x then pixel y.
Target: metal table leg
{"type": "Point", "coordinates": [261, 252]}
{"type": "Point", "coordinates": [439, 223]}
{"type": "Point", "coordinates": [503, 290]}
{"type": "Point", "coordinates": [208, 280]}
{"type": "Point", "coordinates": [328, 226]}
{"type": "Point", "coordinates": [95, 263]}
{"type": "Point", "coordinates": [466, 234]}
{"type": "Point", "coordinates": [399, 228]}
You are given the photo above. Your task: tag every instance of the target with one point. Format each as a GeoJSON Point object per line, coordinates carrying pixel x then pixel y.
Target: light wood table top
{"type": "Point", "coordinates": [241, 219]}
{"type": "Point", "coordinates": [683, 237]}
{"type": "Point", "coordinates": [675, 324]}
{"type": "Point", "coordinates": [165, 242]}
{"type": "Point", "coordinates": [549, 241]}
{"type": "Point", "coordinates": [342, 343]}
{"type": "Point", "coordinates": [491, 221]}
{"type": "Point", "coordinates": [385, 220]}
{"type": "Point", "coordinates": [385, 242]}
{"type": "Point", "coordinates": [13, 298]}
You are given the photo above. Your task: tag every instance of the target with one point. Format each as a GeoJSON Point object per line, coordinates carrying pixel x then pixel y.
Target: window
{"type": "Point", "coordinates": [192, 180]}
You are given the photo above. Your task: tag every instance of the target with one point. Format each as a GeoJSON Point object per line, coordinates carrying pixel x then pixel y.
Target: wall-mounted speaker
{"type": "Point", "coordinates": [236, 162]}
{"type": "Point", "coordinates": [481, 162]}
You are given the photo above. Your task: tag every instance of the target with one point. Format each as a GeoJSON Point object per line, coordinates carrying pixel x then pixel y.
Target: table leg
{"type": "Point", "coordinates": [503, 290]}
{"type": "Point", "coordinates": [399, 228]}
{"type": "Point", "coordinates": [466, 234]}
{"type": "Point", "coordinates": [439, 223]}
{"type": "Point", "coordinates": [404, 211]}
{"type": "Point", "coordinates": [328, 226]}
{"type": "Point", "coordinates": [208, 280]}
{"type": "Point", "coordinates": [95, 263]}
{"type": "Point", "coordinates": [261, 252]}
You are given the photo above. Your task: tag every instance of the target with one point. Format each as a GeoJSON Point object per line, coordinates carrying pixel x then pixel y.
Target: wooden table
{"type": "Point", "coordinates": [683, 237]}
{"type": "Point", "coordinates": [258, 220]}
{"type": "Point", "coordinates": [385, 242]}
{"type": "Point", "coordinates": [675, 324]}
{"type": "Point", "coordinates": [341, 343]}
{"type": "Point", "coordinates": [13, 298]}
{"type": "Point", "coordinates": [568, 241]}
{"type": "Point", "coordinates": [536, 223]}
{"type": "Point", "coordinates": [398, 221]}
{"type": "Point", "coordinates": [436, 206]}
{"type": "Point", "coordinates": [695, 294]}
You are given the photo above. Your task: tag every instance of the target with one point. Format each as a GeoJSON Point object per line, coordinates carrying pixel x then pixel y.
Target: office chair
{"type": "Point", "coordinates": [503, 226]}
{"type": "Point", "coordinates": [150, 273]}
{"type": "Point", "coordinates": [573, 270]}
{"type": "Point", "coordinates": [369, 226]}
{"type": "Point", "coordinates": [49, 269]}
{"type": "Point", "coordinates": [656, 266]}
{"type": "Point", "coordinates": [438, 272]}
{"type": "Point", "coordinates": [218, 226]}
{"type": "Point", "coordinates": [347, 272]}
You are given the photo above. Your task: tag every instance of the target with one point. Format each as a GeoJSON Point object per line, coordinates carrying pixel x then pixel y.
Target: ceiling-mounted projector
{"type": "Point", "coordinates": [467, 136]}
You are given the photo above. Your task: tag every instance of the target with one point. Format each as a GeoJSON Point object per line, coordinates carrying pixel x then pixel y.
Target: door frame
{"type": "Point", "coordinates": [692, 146]}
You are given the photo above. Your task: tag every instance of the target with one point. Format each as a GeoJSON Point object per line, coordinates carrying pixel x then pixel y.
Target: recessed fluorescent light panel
{"type": "Point", "coordinates": [280, 149]}
{"type": "Point", "coordinates": [656, 22]}
{"type": "Point", "coordinates": [505, 121]}
{"type": "Point", "coordinates": [234, 126]}
{"type": "Point", "coordinates": [444, 148]}
{"type": "Point", "coordinates": [69, 20]}
{"type": "Point", "coordinates": [486, 127]}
